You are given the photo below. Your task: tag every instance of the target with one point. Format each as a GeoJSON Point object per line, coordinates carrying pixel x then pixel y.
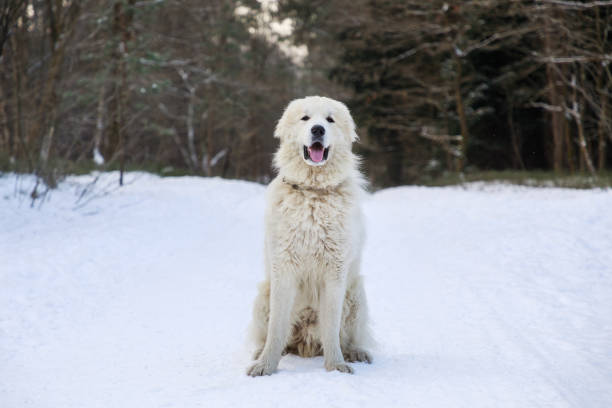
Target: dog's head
{"type": "Point", "coordinates": [316, 128]}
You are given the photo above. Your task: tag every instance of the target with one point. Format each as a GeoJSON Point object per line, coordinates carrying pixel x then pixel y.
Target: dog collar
{"type": "Point", "coordinates": [298, 186]}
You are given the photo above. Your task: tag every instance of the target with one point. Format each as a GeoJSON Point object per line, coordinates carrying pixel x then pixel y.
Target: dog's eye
{"type": "Point", "coordinates": [330, 120]}
{"type": "Point", "coordinates": [305, 118]}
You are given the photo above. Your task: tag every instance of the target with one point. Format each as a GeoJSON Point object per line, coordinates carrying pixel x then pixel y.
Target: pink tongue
{"type": "Point", "coordinates": [316, 154]}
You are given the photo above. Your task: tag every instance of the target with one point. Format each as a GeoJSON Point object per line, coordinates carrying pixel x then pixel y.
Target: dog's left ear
{"type": "Point", "coordinates": [353, 131]}
{"type": "Point", "coordinates": [350, 123]}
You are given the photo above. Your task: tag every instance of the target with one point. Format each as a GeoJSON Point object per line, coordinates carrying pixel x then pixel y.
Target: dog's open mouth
{"type": "Point", "coordinates": [316, 152]}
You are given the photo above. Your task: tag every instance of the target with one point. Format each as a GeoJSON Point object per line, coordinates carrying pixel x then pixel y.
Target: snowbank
{"type": "Point", "coordinates": [489, 296]}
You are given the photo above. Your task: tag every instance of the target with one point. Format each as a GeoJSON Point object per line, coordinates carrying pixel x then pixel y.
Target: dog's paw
{"type": "Point", "coordinates": [353, 355]}
{"type": "Point", "coordinates": [260, 368]}
{"type": "Point", "coordinates": [341, 366]}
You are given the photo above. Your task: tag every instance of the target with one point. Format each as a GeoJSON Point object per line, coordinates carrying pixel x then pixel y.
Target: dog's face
{"type": "Point", "coordinates": [316, 128]}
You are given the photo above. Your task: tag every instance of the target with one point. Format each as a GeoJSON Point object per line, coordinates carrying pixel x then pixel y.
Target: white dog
{"type": "Point", "coordinates": [312, 301]}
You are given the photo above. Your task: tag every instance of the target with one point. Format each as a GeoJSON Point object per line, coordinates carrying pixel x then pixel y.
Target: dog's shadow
{"type": "Point", "coordinates": [291, 363]}
{"type": "Point", "coordinates": [413, 367]}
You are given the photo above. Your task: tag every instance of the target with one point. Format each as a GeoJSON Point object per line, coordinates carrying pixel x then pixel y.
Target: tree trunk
{"type": "Point", "coordinates": [180, 146]}
{"type": "Point", "coordinates": [584, 148]}
{"type": "Point", "coordinates": [207, 156]}
{"type": "Point", "coordinates": [45, 150]}
{"type": "Point", "coordinates": [19, 123]}
{"type": "Point", "coordinates": [586, 156]}
{"type": "Point", "coordinates": [6, 137]}
{"type": "Point", "coordinates": [516, 148]}
{"type": "Point", "coordinates": [193, 155]}
{"type": "Point", "coordinates": [97, 142]}
{"type": "Point", "coordinates": [570, 155]}
{"type": "Point", "coordinates": [121, 108]}
{"type": "Point", "coordinates": [601, 130]}
{"type": "Point", "coordinates": [461, 114]}
{"type": "Point", "coordinates": [553, 97]}
{"type": "Point", "coordinates": [603, 122]}
{"type": "Point", "coordinates": [116, 148]}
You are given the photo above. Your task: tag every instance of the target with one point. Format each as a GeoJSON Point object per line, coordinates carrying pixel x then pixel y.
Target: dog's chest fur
{"type": "Point", "coordinates": [314, 225]}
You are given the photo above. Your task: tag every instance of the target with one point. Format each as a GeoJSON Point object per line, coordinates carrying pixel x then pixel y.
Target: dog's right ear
{"type": "Point", "coordinates": [284, 123]}
{"type": "Point", "coordinates": [280, 128]}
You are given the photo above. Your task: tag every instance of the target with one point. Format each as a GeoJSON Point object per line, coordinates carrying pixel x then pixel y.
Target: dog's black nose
{"type": "Point", "coordinates": [317, 131]}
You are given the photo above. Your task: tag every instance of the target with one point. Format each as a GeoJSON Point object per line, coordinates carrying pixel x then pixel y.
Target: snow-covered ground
{"type": "Point", "coordinates": [489, 296]}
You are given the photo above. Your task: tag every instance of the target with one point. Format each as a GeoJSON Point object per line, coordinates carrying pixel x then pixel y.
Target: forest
{"type": "Point", "coordinates": [196, 87]}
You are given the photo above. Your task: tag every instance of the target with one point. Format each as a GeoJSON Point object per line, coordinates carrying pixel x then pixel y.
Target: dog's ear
{"type": "Point", "coordinates": [283, 126]}
{"type": "Point", "coordinates": [353, 131]}
{"type": "Point", "coordinates": [350, 123]}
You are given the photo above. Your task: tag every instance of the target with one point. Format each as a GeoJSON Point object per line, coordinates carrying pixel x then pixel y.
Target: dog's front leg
{"type": "Point", "coordinates": [282, 295]}
{"type": "Point", "coordinates": [331, 300]}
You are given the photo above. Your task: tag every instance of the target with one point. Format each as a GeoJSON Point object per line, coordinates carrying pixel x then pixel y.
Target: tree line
{"type": "Point", "coordinates": [197, 86]}
{"type": "Point", "coordinates": [451, 86]}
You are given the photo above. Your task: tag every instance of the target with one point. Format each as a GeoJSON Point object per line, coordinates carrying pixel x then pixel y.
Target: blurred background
{"type": "Point", "coordinates": [440, 90]}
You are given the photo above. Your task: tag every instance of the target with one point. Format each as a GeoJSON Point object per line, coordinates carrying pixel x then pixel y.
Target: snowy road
{"type": "Point", "coordinates": [497, 296]}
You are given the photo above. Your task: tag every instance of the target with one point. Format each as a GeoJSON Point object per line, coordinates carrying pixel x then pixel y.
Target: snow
{"type": "Point", "coordinates": [485, 296]}
{"type": "Point", "coordinates": [97, 157]}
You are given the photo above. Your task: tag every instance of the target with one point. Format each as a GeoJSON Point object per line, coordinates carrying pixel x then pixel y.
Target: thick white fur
{"type": "Point", "coordinates": [312, 300]}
